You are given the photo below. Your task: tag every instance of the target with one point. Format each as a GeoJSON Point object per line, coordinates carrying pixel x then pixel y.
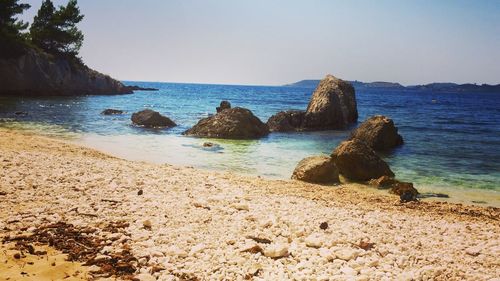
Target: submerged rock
{"type": "Point", "coordinates": [358, 162]}
{"type": "Point", "coordinates": [223, 105]}
{"type": "Point", "coordinates": [286, 121]}
{"type": "Point", "coordinates": [111, 111]}
{"type": "Point", "coordinates": [316, 169]}
{"type": "Point", "coordinates": [232, 123]}
{"type": "Point", "coordinates": [332, 105]}
{"type": "Point", "coordinates": [152, 119]}
{"type": "Point", "coordinates": [379, 133]}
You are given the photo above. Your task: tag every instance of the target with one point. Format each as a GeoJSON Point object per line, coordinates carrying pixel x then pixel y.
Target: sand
{"type": "Point", "coordinates": [189, 224]}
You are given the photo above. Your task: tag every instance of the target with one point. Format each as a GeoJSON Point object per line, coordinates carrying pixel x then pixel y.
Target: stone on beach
{"type": "Point", "coordinates": [316, 169]}
{"type": "Point", "coordinates": [151, 119]}
{"type": "Point", "coordinates": [358, 162]}
{"type": "Point", "coordinates": [232, 123]}
{"type": "Point", "coordinates": [405, 190]}
{"type": "Point", "coordinates": [379, 133]}
{"type": "Point", "coordinates": [276, 251]}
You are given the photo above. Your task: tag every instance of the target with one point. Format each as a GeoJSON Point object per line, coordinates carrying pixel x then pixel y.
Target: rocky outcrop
{"type": "Point", "coordinates": [151, 119]}
{"type": "Point", "coordinates": [383, 182]}
{"type": "Point", "coordinates": [379, 133]}
{"type": "Point", "coordinates": [233, 123]}
{"type": "Point", "coordinates": [38, 74]}
{"type": "Point", "coordinates": [332, 106]}
{"type": "Point", "coordinates": [316, 169]}
{"type": "Point", "coordinates": [358, 162]}
{"type": "Point", "coordinates": [111, 111]}
{"type": "Point", "coordinates": [223, 105]}
{"type": "Point", "coordinates": [286, 121]}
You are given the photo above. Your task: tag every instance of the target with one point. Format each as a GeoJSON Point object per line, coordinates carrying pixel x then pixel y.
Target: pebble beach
{"type": "Point", "coordinates": [164, 222]}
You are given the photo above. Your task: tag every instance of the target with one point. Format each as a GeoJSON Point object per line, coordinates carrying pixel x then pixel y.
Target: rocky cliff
{"type": "Point", "coordinates": [36, 73]}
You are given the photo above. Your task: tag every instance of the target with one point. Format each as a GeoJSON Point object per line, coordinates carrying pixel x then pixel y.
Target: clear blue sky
{"type": "Point", "coordinates": [274, 42]}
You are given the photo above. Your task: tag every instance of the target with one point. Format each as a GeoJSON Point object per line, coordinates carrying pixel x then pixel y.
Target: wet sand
{"type": "Point", "coordinates": [184, 223]}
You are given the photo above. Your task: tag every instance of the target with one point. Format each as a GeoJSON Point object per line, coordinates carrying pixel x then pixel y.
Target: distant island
{"type": "Point", "coordinates": [388, 86]}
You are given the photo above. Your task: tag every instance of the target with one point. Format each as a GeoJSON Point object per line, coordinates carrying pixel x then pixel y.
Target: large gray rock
{"type": "Point", "coordinates": [358, 162]}
{"type": "Point", "coordinates": [332, 105]}
{"type": "Point", "coordinates": [316, 169]}
{"type": "Point", "coordinates": [151, 119]}
{"type": "Point", "coordinates": [286, 121]}
{"type": "Point", "coordinates": [232, 123]}
{"type": "Point", "coordinates": [39, 74]}
{"type": "Point", "coordinates": [379, 133]}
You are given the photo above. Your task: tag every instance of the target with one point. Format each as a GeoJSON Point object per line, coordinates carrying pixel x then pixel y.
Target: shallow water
{"type": "Point", "coordinates": [452, 141]}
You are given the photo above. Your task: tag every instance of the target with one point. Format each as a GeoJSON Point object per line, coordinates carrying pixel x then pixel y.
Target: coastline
{"type": "Point", "coordinates": [195, 224]}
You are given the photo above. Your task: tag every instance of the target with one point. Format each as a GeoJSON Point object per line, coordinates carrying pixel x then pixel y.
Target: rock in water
{"type": "Point", "coordinates": [316, 169]}
{"type": "Point", "coordinates": [383, 182]}
{"type": "Point", "coordinates": [332, 105]}
{"type": "Point", "coordinates": [223, 105]}
{"type": "Point", "coordinates": [379, 133]}
{"type": "Point", "coordinates": [152, 119]}
{"type": "Point", "coordinates": [286, 121]}
{"type": "Point", "coordinates": [358, 162]}
{"type": "Point", "coordinates": [111, 111]}
{"type": "Point", "coordinates": [233, 123]}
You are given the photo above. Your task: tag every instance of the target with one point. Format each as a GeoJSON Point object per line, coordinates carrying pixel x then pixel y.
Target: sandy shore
{"type": "Point", "coordinates": [187, 224]}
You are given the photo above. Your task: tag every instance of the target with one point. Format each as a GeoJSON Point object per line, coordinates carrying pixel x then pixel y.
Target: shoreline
{"type": "Point", "coordinates": [190, 223]}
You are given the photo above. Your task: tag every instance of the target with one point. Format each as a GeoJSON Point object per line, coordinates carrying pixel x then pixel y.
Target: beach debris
{"type": "Point", "coordinates": [366, 245]}
{"type": "Point", "coordinates": [473, 251]}
{"type": "Point", "coordinates": [140, 192]}
{"type": "Point", "coordinates": [252, 248]}
{"type": "Point", "coordinates": [316, 169]}
{"type": "Point", "coordinates": [346, 254]}
{"type": "Point", "coordinates": [241, 206]}
{"type": "Point", "coordinates": [259, 239]}
{"type": "Point", "coordinates": [80, 244]}
{"type": "Point", "coordinates": [323, 225]}
{"type": "Point", "coordinates": [313, 241]}
{"type": "Point", "coordinates": [276, 251]}
{"type": "Point", "coordinates": [430, 195]}
{"type": "Point", "coordinates": [147, 224]}
{"type": "Point", "coordinates": [2, 193]}
{"type": "Point", "coordinates": [17, 256]}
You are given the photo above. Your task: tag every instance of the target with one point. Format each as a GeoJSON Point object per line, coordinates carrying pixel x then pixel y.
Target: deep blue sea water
{"type": "Point", "coordinates": [452, 140]}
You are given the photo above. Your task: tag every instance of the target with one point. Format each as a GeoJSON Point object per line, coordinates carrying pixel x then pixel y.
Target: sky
{"type": "Point", "coordinates": [275, 42]}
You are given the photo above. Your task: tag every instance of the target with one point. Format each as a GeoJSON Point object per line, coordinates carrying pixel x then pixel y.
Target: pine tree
{"type": "Point", "coordinates": [55, 31]}
{"type": "Point", "coordinates": [10, 26]}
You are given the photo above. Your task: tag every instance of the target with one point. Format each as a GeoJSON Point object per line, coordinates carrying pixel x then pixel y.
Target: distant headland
{"type": "Point", "coordinates": [388, 86]}
{"type": "Point", "coordinates": [44, 61]}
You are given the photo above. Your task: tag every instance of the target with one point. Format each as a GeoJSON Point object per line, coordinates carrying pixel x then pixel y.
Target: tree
{"type": "Point", "coordinates": [55, 31]}
{"type": "Point", "coordinates": [43, 27]}
{"type": "Point", "coordinates": [10, 26]}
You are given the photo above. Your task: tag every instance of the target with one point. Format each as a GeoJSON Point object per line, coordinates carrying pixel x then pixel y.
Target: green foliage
{"type": "Point", "coordinates": [10, 26]}
{"type": "Point", "coordinates": [54, 30]}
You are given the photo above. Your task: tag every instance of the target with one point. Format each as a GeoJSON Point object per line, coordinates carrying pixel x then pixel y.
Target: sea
{"type": "Point", "coordinates": [452, 140]}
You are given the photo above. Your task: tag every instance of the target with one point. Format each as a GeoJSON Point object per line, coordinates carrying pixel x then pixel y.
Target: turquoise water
{"type": "Point", "coordinates": [452, 140]}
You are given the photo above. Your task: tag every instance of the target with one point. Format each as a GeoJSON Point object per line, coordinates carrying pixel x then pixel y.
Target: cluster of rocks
{"type": "Point", "coordinates": [356, 159]}
{"type": "Point", "coordinates": [332, 106]}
